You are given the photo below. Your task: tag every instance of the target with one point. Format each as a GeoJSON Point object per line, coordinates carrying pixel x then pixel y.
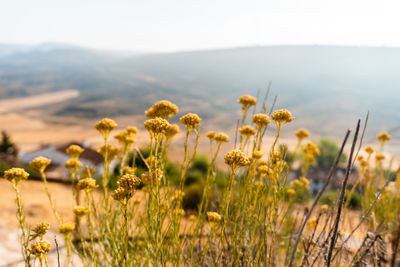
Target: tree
{"type": "Point", "coordinates": [7, 146]}
{"type": "Point", "coordinates": [328, 151]}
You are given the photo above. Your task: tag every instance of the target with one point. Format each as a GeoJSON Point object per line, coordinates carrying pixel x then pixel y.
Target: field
{"type": "Point", "coordinates": [246, 203]}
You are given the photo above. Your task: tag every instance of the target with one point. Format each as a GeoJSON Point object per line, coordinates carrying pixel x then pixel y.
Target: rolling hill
{"type": "Point", "coordinates": [326, 87]}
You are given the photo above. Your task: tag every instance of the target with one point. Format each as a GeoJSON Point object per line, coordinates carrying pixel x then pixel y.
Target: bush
{"type": "Point", "coordinates": [192, 197]}
{"type": "Point", "coordinates": [330, 197]}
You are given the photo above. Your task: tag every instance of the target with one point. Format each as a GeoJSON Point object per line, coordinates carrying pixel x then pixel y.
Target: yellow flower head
{"type": "Point", "coordinates": [88, 171]}
{"type": "Point", "coordinates": [312, 148]}
{"type": "Point", "coordinates": [247, 101]}
{"type": "Point", "coordinates": [40, 249]}
{"type": "Point", "coordinates": [179, 212]}
{"type": "Point", "coordinates": [163, 109]}
{"type": "Point", "coordinates": [112, 152]}
{"type": "Point", "coordinates": [128, 170]}
{"type": "Point", "coordinates": [266, 171]}
{"type": "Point", "coordinates": [190, 120]}
{"type": "Point", "coordinates": [131, 130]}
{"type": "Point", "coordinates": [364, 164]}
{"type": "Point", "coordinates": [122, 195]}
{"type": "Point", "coordinates": [16, 175]}
{"type": "Point", "coordinates": [120, 137]}
{"type": "Point", "coordinates": [105, 126]}
{"type": "Point", "coordinates": [324, 208]}
{"type": "Point", "coordinates": [291, 192]}
{"type": "Point", "coordinates": [247, 131]}
{"type": "Point", "coordinates": [66, 228]}
{"type": "Point", "coordinates": [312, 223]}
{"type": "Point", "coordinates": [40, 163]}
{"type": "Point", "coordinates": [262, 162]}
{"type": "Point", "coordinates": [210, 135]}
{"type": "Point", "coordinates": [360, 157]}
{"type": "Point", "coordinates": [156, 126]}
{"type": "Point", "coordinates": [302, 134]}
{"type": "Point", "coordinates": [236, 158]}
{"type": "Point", "coordinates": [380, 157]}
{"type": "Point", "coordinates": [171, 131]}
{"type": "Point", "coordinates": [383, 137]}
{"type": "Point", "coordinates": [257, 155]}
{"type": "Point", "coordinates": [74, 151]}
{"type": "Point", "coordinates": [129, 182]}
{"type": "Point", "coordinates": [221, 138]}
{"type": "Point", "coordinates": [40, 230]}
{"type": "Point", "coordinates": [282, 116]}
{"type": "Point", "coordinates": [73, 164]}
{"type": "Point", "coordinates": [80, 211]}
{"type": "Point", "coordinates": [213, 217]}
{"type": "Point", "coordinates": [261, 120]}
{"type": "Point", "coordinates": [87, 184]}
{"type": "Point", "coordinates": [369, 149]}
{"type": "Point", "coordinates": [178, 195]}
{"type": "Point", "coordinates": [305, 184]}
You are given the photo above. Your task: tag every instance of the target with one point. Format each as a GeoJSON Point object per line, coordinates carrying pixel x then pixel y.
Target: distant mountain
{"type": "Point", "coordinates": [326, 87]}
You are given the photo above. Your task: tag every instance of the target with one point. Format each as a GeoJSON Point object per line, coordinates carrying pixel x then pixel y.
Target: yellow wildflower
{"type": "Point", "coordinates": [171, 131]}
{"type": "Point", "coordinates": [282, 116]}
{"type": "Point", "coordinates": [302, 134]}
{"type": "Point", "coordinates": [66, 228]}
{"type": "Point", "coordinates": [190, 120]}
{"type": "Point", "coordinates": [74, 151]}
{"type": "Point", "coordinates": [87, 184]}
{"type": "Point", "coordinates": [236, 159]}
{"type": "Point", "coordinates": [40, 163]}
{"type": "Point", "coordinates": [247, 101]}
{"type": "Point", "coordinates": [247, 131]}
{"type": "Point", "coordinates": [221, 138]}
{"type": "Point", "coordinates": [73, 164]}
{"type": "Point", "coordinates": [16, 175]}
{"type": "Point", "coordinates": [261, 120]}
{"type": "Point", "coordinates": [105, 126]}
{"type": "Point", "coordinates": [163, 109]}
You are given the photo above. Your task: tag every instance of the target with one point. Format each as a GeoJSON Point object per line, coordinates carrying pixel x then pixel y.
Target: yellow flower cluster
{"type": "Point", "coordinates": [369, 149]}
{"type": "Point", "coordinates": [190, 120]}
{"type": "Point", "coordinates": [311, 151]}
{"type": "Point", "coordinates": [129, 182]}
{"type": "Point", "coordinates": [221, 138]}
{"type": "Point", "coordinates": [40, 163]}
{"type": "Point", "coordinates": [112, 152]}
{"type": "Point", "coordinates": [247, 131]}
{"type": "Point", "coordinates": [73, 164]}
{"type": "Point", "coordinates": [127, 185]}
{"type": "Point", "coordinates": [179, 212]}
{"type": "Point", "coordinates": [213, 217]}
{"type": "Point", "coordinates": [171, 131]}
{"type": "Point", "coordinates": [80, 211]}
{"type": "Point", "coordinates": [257, 155]}
{"type": "Point", "coordinates": [301, 134]}
{"type": "Point", "coordinates": [236, 158]}
{"type": "Point", "coordinates": [131, 130]}
{"type": "Point", "coordinates": [261, 120]}
{"type": "Point", "coordinates": [383, 137]}
{"type": "Point", "coordinates": [66, 228]}
{"type": "Point", "coordinates": [16, 175]}
{"type": "Point", "coordinates": [105, 126]}
{"type": "Point", "coordinates": [380, 157]}
{"type": "Point", "coordinates": [247, 101]}
{"type": "Point", "coordinates": [128, 170]}
{"type": "Point", "coordinates": [74, 151]}
{"type": "Point", "coordinates": [40, 249]}
{"type": "Point", "coordinates": [302, 183]}
{"type": "Point", "coordinates": [87, 184]}
{"type": "Point", "coordinates": [156, 125]}
{"type": "Point", "coordinates": [282, 116]}
{"type": "Point", "coordinates": [124, 138]}
{"type": "Point", "coordinates": [163, 109]}
{"type": "Point", "coordinates": [40, 230]}
{"type": "Point", "coordinates": [210, 135]}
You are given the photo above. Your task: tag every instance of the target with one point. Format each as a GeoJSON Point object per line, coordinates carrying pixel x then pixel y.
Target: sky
{"type": "Point", "coordinates": [177, 25]}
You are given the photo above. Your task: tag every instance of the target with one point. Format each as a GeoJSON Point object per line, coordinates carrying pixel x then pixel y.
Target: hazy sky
{"type": "Point", "coordinates": [172, 25]}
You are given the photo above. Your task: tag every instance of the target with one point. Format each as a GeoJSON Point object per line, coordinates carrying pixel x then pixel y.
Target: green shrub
{"type": "Point", "coordinates": [192, 197]}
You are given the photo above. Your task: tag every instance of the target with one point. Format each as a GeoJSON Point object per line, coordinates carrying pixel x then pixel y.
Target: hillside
{"type": "Point", "coordinates": [326, 88]}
